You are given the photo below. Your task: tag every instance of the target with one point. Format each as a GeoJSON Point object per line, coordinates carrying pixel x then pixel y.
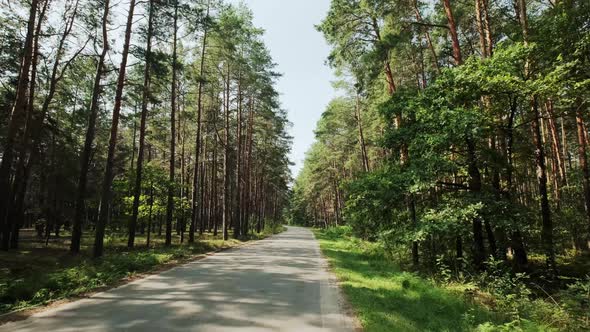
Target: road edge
{"type": "Point", "coordinates": [26, 313]}
{"type": "Point", "coordinates": [349, 314]}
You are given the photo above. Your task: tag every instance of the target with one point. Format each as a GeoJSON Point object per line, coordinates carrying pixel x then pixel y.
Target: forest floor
{"type": "Point", "coordinates": [387, 298]}
{"type": "Point", "coordinates": [41, 272]}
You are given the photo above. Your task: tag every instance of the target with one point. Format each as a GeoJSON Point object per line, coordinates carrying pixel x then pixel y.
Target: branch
{"type": "Point", "coordinates": [454, 185]}
{"type": "Point", "coordinates": [431, 25]}
{"type": "Point", "coordinates": [69, 62]}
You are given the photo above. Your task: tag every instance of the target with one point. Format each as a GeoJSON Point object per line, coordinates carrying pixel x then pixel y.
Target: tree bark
{"type": "Point", "coordinates": [110, 164]}
{"type": "Point", "coordinates": [20, 180]}
{"type": "Point", "coordinates": [583, 159]}
{"type": "Point", "coordinates": [215, 186]}
{"type": "Point", "coordinates": [194, 218]}
{"type": "Point", "coordinates": [171, 185]}
{"type": "Point", "coordinates": [238, 215]}
{"type": "Point", "coordinates": [547, 224]}
{"type": "Point", "coordinates": [203, 175]}
{"type": "Point", "coordinates": [428, 38]}
{"type": "Point", "coordinates": [556, 143]}
{"type": "Point", "coordinates": [250, 139]}
{"type": "Point", "coordinates": [142, 127]}
{"type": "Point", "coordinates": [90, 135]}
{"type": "Point", "coordinates": [364, 155]}
{"type": "Point", "coordinates": [454, 35]}
{"type": "Point", "coordinates": [480, 28]}
{"type": "Point", "coordinates": [475, 184]}
{"type": "Point", "coordinates": [226, 166]}
{"type": "Point", "coordinates": [151, 202]}
{"type": "Point", "coordinates": [15, 124]}
{"type": "Point", "coordinates": [487, 26]}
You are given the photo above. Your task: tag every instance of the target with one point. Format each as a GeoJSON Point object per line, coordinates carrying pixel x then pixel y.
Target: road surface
{"type": "Point", "coordinates": [278, 284]}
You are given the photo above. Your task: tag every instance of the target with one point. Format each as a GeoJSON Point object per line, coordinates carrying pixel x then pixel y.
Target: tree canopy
{"type": "Point", "coordinates": [461, 132]}
{"type": "Point", "coordinates": [162, 119]}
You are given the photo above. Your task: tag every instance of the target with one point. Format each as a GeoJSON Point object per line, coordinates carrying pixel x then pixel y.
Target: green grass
{"type": "Point", "coordinates": [37, 275]}
{"type": "Point", "coordinates": [386, 298]}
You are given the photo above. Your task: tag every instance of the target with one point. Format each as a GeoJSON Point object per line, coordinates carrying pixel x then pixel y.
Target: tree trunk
{"type": "Point", "coordinates": [428, 38]}
{"type": "Point", "coordinates": [171, 189]}
{"type": "Point", "coordinates": [238, 219]}
{"type": "Point", "coordinates": [194, 218]}
{"type": "Point", "coordinates": [226, 166]}
{"type": "Point", "coordinates": [583, 159]}
{"type": "Point", "coordinates": [20, 180]}
{"type": "Point", "coordinates": [547, 224]}
{"type": "Point", "coordinates": [480, 29]}
{"type": "Point", "coordinates": [257, 202]}
{"type": "Point", "coordinates": [556, 144]}
{"type": "Point", "coordinates": [364, 155]}
{"type": "Point", "coordinates": [90, 135]}
{"type": "Point", "coordinates": [516, 240]}
{"type": "Point", "coordinates": [15, 124]}
{"type": "Point", "coordinates": [248, 199]}
{"type": "Point", "coordinates": [110, 165]}
{"type": "Point", "coordinates": [485, 6]}
{"type": "Point", "coordinates": [475, 187]}
{"type": "Point", "coordinates": [142, 127]}
{"type": "Point", "coordinates": [454, 35]}
{"type": "Point", "coordinates": [555, 174]}
{"type": "Point", "coordinates": [151, 202]}
{"type": "Point", "coordinates": [211, 200]}
{"type": "Point", "coordinates": [215, 186]}
{"type": "Point", "coordinates": [203, 175]}
{"type": "Point", "coordinates": [184, 169]}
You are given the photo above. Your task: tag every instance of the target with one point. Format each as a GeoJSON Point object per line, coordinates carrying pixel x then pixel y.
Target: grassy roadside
{"type": "Point", "coordinates": [386, 298]}
{"type": "Point", "coordinates": [36, 276]}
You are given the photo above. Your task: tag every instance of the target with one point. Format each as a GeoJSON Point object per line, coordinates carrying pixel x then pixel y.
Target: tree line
{"type": "Point", "coordinates": [461, 131]}
{"type": "Point", "coordinates": [138, 117]}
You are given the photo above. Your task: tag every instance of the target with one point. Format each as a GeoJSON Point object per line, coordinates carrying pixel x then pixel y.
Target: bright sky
{"type": "Point", "coordinates": [300, 52]}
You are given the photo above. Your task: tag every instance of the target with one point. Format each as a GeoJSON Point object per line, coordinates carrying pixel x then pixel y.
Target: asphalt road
{"type": "Point", "coordinates": [278, 284]}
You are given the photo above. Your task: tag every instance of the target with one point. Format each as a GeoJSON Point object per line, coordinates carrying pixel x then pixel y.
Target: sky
{"type": "Point", "coordinates": [300, 52]}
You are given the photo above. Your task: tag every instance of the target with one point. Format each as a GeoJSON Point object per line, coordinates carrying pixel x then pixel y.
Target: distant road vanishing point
{"type": "Point", "coordinates": [278, 284]}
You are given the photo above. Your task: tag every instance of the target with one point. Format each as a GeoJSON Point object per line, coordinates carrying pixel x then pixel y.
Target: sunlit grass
{"type": "Point", "coordinates": [386, 298]}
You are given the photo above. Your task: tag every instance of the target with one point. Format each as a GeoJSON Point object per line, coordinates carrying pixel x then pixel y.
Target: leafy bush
{"type": "Point", "coordinates": [576, 299]}
{"type": "Point", "coordinates": [334, 233]}
{"type": "Point", "coordinates": [271, 228]}
{"type": "Point", "coordinates": [371, 202]}
{"type": "Point", "coordinates": [515, 300]}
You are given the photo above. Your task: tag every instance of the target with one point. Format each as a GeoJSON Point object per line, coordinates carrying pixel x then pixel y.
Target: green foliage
{"type": "Point", "coordinates": [576, 299]}
{"type": "Point", "coordinates": [455, 176]}
{"type": "Point", "coordinates": [372, 201]}
{"type": "Point", "coordinates": [498, 300]}
{"type": "Point", "coordinates": [387, 299]}
{"type": "Point", "coordinates": [271, 228]}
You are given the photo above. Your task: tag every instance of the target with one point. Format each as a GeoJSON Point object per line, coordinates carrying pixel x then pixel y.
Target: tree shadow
{"type": "Point", "coordinates": [273, 285]}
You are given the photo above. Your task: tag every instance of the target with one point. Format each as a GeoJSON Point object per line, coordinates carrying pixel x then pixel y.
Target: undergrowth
{"type": "Point", "coordinates": [387, 298]}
